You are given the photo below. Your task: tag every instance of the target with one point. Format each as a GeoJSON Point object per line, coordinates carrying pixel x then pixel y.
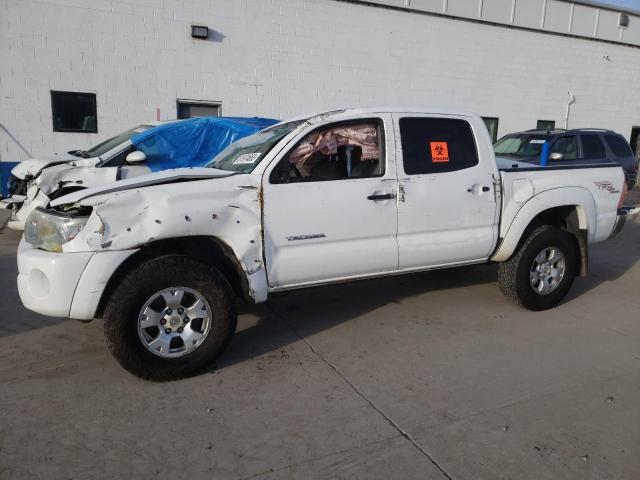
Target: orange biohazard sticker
{"type": "Point", "coordinates": [439, 152]}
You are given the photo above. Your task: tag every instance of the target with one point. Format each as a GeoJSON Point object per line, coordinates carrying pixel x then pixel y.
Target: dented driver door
{"type": "Point", "coordinates": [330, 205]}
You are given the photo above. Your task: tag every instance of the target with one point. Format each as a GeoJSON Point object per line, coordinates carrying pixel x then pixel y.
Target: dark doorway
{"type": "Point", "coordinates": [492, 126]}
{"type": "Point", "coordinates": [634, 140]}
{"type": "Point", "coordinates": [546, 125]}
{"type": "Point", "coordinates": [198, 108]}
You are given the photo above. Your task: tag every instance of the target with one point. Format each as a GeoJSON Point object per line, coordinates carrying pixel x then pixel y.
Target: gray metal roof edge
{"type": "Point", "coordinates": [606, 6]}
{"type": "Point", "coordinates": [408, 9]}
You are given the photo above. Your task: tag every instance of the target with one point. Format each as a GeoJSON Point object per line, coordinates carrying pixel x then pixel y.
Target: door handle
{"type": "Point", "coordinates": [476, 189]}
{"type": "Point", "coordinates": [381, 196]}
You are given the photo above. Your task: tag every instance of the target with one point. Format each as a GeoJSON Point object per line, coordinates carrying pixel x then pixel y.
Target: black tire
{"type": "Point", "coordinates": [513, 275]}
{"type": "Point", "coordinates": [124, 305]}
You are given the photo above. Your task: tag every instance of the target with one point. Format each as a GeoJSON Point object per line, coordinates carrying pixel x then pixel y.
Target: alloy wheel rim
{"type": "Point", "coordinates": [174, 322]}
{"type": "Point", "coordinates": [547, 270]}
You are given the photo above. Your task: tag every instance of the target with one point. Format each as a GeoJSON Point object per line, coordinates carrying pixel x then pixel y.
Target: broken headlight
{"type": "Point", "coordinates": [49, 230]}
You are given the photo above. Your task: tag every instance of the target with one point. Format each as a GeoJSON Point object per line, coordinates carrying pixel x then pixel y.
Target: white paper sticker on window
{"type": "Point", "coordinates": [246, 159]}
{"type": "Point", "coordinates": [537, 141]}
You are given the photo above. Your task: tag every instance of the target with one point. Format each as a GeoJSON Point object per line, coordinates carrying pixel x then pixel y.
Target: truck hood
{"type": "Point", "coordinates": [80, 174]}
{"type": "Point", "coordinates": [33, 166]}
{"type": "Point", "coordinates": [159, 178]}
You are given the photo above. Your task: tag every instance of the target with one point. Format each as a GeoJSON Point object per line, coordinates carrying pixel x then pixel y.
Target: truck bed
{"type": "Point", "coordinates": [594, 190]}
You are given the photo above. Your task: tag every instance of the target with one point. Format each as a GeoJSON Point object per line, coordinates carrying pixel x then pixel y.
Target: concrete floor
{"type": "Point", "coordinates": [429, 376]}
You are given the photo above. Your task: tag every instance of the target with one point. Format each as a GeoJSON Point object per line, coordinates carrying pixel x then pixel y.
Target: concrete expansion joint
{"type": "Point", "coordinates": [308, 461]}
{"type": "Point", "coordinates": [358, 392]}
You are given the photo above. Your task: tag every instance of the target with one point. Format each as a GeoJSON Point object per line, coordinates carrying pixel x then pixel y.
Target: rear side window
{"type": "Point", "coordinates": [567, 146]}
{"type": "Point", "coordinates": [592, 147]}
{"type": "Point", "coordinates": [437, 145]}
{"type": "Point", "coordinates": [618, 146]}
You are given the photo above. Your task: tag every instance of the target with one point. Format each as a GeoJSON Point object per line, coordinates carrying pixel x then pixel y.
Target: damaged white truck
{"type": "Point", "coordinates": [338, 196]}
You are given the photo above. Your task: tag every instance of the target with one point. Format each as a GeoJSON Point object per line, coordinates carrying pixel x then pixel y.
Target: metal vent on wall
{"type": "Point", "coordinates": [623, 20]}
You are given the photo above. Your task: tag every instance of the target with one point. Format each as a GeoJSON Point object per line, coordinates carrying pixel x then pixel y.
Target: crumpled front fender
{"type": "Point", "coordinates": [29, 168]}
{"type": "Point", "coordinates": [226, 208]}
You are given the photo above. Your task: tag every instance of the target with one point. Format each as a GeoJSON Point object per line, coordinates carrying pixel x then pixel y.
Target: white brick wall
{"type": "Point", "coordinates": [284, 57]}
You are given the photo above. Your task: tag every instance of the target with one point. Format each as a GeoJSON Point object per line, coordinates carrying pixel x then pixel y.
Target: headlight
{"type": "Point", "coordinates": [50, 230]}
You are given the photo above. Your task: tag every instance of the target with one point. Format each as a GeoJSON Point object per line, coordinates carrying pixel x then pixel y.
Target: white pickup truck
{"type": "Point", "coordinates": [337, 196]}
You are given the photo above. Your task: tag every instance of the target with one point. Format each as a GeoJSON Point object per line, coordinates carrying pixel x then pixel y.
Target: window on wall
{"type": "Point", "coordinates": [546, 124]}
{"type": "Point", "coordinates": [198, 108]}
{"type": "Point", "coordinates": [436, 145]}
{"type": "Point", "coordinates": [634, 140]}
{"type": "Point", "coordinates": [492, 126]}
{"type": "Point", "coordinates": [74, 112]}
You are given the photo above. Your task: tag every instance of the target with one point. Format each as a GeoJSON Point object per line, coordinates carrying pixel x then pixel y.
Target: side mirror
{"type": "Point", "coordinates": [556, 156]}
{"type": "Point", "coordinates": [136, 157]}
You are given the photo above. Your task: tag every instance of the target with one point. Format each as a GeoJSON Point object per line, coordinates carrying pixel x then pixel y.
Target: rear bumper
{"type": "Point", "coordinates": [619, 225]}
{"type": "Point", "coordinates": [623, 214]}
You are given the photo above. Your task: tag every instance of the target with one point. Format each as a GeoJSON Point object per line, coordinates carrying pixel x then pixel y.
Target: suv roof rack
{"type": "Point", "coordinates": [576, 130]}
{"type": "Point", "coordinates": [593, 130]}
{"type": "Point", "coordinates": [548, 130]}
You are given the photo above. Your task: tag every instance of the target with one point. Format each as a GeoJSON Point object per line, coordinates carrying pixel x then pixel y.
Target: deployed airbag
{"type": "Point", "coordinates": [327, 142]}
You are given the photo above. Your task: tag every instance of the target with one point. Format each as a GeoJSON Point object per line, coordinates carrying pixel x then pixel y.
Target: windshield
{"type": "Point", "coordinates": [520, 145]}
{"type": "Point", "coordinates": [111, 143]}
{"type": "Point", "coordinates": [245, 154]}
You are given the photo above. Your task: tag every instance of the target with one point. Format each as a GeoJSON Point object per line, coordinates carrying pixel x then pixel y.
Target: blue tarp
{"type": "Point", "coordinates": [193, 142]}
{"type": "Point", "coordinates": [5, 173]}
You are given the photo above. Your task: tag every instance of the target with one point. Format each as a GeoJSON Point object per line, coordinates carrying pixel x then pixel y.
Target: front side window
{"type": "Point", "coordinates": [592, 147]}
{"type": "Point", "coordinates": [336, 152]}
{"type": "Point", "coordinates": [567, 146]}
{"type": "Point", "coordinates": [437, 145]}
{"type": "Point", "coordinates": [618, 146]}
{"type": "Point", "coordinates": [74, 112]}
{"type": "Point", "coordinates": [119, 159]}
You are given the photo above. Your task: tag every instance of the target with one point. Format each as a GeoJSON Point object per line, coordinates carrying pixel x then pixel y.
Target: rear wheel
{"type": "Point", "coordinates": [169, 318]}
{"type": "Point", "coordinates": [539, 275]}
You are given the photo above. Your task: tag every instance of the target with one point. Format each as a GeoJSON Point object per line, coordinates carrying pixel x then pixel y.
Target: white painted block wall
{"type": "Point", "coordinates": [279, 58]}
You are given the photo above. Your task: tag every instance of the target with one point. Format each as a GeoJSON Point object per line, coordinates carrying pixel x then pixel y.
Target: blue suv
{"type": "Point", "coordinates": [584, 146]}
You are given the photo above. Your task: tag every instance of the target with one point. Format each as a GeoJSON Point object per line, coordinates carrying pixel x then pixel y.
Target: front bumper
{"type": "Point", "coordinates": [65, 284]}
{"type": "Point", "coordinates": [20, 215]}
{"type": "Point", "coordinates": [48, 280]}
{"type": "Point", "coordinates": [12, 202]}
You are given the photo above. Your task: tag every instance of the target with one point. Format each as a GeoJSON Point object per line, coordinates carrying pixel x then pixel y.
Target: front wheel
{"type": "Point", "coordinates": [539, 275]}
{"type": "Point", "coordinates": [169, 318]}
